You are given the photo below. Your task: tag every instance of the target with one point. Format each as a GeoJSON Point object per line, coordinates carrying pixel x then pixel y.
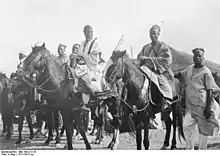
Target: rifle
{"type": "Point", "coordinates": [119, 43]}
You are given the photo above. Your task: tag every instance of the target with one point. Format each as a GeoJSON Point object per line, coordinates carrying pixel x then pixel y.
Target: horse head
{"type": "Point", "coordinates": [114, 67]}
{"type": "Point", "coordinates": [35, 61]}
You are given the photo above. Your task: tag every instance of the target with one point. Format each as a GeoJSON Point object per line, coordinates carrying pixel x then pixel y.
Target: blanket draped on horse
{"type": "Point", "coordinates": [159, 60]}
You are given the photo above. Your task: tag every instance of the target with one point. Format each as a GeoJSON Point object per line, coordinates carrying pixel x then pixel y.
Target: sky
{"type": "Point", "coordinates": [185, 24]}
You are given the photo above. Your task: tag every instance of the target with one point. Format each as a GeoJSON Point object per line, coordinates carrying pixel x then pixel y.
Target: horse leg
{"type": "Point", "coordinates": [62, 131]}
{"type": "Point", "coordinates": [168, 123]}
{"type": "Point", "coordinates": [20, 127]}
{"type": "Point", "coordinates": [57, 119]}
{"type": "Point", "coordinates": [94, 126]}
{"type": "Point", "coordinates": [138, 135]}
{"type": "Point", "coordinates": [173, 146]}
{"type": "Point", "coordinates": [29, 121]}
{"type": "Point", "coordinates": [67, 123]}
{"type": "Point", "coordinates": [4, 124]}
{"type": "Point", "coordinates": [146, 133]}
{"type": "Point", "coordinates": [9, 127]}
{"type": "Point", "coordinates": [82, 132]}
{"type": "Point", "coordinates": [49, 117]}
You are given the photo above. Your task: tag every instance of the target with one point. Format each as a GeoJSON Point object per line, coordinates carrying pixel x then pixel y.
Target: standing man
{"type": "Point", "coordinates": [157, 56]}
{"type": "Point", "coordinates": [199, 88]}
{"type": "Point", "coordinates": [62, 55]}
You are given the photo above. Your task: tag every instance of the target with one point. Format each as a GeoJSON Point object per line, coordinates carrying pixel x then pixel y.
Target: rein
{"type": "Point", "coordinates": [41, 86]}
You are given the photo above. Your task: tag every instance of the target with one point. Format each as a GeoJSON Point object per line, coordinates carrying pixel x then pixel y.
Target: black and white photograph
{"type": "Point", "coordinates": [109, 75]}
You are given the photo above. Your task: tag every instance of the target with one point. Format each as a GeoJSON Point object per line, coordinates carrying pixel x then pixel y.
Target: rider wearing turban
{"type": "Point", "coordinates": [157, 56]}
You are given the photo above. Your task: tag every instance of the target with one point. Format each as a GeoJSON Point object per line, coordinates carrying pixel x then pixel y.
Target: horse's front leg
{"type": "Point", "coordinates": [56, 118]}
{"type": "Point", "coordinates": [138, 133]}
{"type": "Point", "coordinates": [67, 123]}
{"type": "Point", "coordinates": [146, 133]}
{"type": "Point", "coordinates": [82, 131]}
{"type": "Point", "coordinates": [49, 118]}
{"type": "Point", "coordinates": [20, 127]}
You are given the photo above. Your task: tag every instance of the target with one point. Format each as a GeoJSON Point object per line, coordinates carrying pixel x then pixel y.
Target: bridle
{"type": "Point", "coordinates": [40, 71]}
{"type": "Point", "coordinates": [112, 78]}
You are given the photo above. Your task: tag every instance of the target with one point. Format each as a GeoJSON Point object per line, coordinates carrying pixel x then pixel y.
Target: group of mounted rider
{"type": "Point", "coordinates": [154, 67]}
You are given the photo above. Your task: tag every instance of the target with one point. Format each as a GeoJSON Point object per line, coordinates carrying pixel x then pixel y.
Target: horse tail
{"type": "Point", "coordinates": [179, 120]}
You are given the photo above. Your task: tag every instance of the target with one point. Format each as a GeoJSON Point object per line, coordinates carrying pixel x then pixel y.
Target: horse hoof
{"type": "Point", "coordinates": [28, 141]}
{"type": "Point", "coordinates": [57, 142]}
{"type": "Point", "coordinates": [114, 147]}
{"type": "Point", "coordinates": [47, 142]}
{"type": "Point", "coordinates": [31, 136]}
{"type": "Point", "coordinates": [18, 142]}
{"type": "Point", "coordinates": [88, 147]}
{"type": "Point", "coordinates": [174, 148]}
{"type": "Point", "coordinates": [164, 148]}
{"type": "Point", "coordinates": [110, 145]}
{"type": "Point", "coordinates": [8, 137]}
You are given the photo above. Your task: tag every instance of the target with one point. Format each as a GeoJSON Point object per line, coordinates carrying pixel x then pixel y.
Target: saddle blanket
{"type": "Point", "coordinates": [168, 88]}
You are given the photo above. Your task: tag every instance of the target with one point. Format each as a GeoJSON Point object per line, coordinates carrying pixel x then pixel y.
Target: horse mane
{"type": "Point", "coordinates": [132, 64]}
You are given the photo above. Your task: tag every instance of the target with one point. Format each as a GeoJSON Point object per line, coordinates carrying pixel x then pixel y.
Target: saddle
{"type": "Point", "coordinates": [167, 85]}
{"type": "Point", "coordinates": [83, 87]}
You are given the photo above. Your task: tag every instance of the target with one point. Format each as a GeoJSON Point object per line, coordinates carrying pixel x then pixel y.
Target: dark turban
{"type": "Point", "coordinates": [198, 50]}
{"type": "Point", "coordinates": [155, 27]}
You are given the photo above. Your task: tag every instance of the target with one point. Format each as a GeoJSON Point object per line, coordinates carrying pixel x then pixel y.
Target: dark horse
{"type": "Point", "coordinates": [6, 105]}
{"type": "Point", "coordinates": [53, 82]}
{"type": "Point", "coordinates": [142, 106]}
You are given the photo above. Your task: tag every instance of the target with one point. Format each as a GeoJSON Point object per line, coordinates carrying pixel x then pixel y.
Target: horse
{"type": "Point", "coordinates": [53, 82]}
{"type": "Point", "coordinates": [142, 106]}
{"type": "Point", "coordinates": [6, 105]}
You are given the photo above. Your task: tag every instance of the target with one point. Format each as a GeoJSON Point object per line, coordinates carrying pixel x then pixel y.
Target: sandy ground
{"type": "Point", "coordinates": [126, 142]}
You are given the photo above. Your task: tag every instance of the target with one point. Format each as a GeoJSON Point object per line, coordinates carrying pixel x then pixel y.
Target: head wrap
{"type": "Point", "coordinates": [21, 55]}
{"type": "Point", "coordinates": [155, 27]}
{"type": "Point", "coordinates": [198, 50]}
{"type": "Point", "coordinates": [62, 45]}
{"type": "Point", "coordinates": [13, 75]}
{"type": "Point", "coordinates": [87, 27]}
{"type": "Point", "coordinates": [77, 44]}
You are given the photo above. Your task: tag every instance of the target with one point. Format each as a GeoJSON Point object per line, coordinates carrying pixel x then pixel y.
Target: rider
{"type": "Point", "coordinates": [157, 56]}
{"type": "Point", "coordinates": [73, 55]}
{"type": "Point", "coordinates": [61, 51]}
{"type": "Point", "coordinates": [89, 72]}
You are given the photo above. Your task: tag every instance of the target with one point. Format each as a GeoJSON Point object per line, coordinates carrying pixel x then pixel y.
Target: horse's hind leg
{"type": "Point", "coordinates": [168, 123]}
{"type": "Point", "coordinates": [9, 127]}
{"type": "Point", "coordinates": [173, 146]}
{"type": "Point", "coordinates": [29, 121]}
{"type": "Point", "coordinates": [4, 124]}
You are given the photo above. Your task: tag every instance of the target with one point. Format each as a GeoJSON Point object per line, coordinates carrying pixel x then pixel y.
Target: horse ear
{"type": "Point", "coordinates": [43, 45]}
{"type": "Point", "coordinates": [123, 52]}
